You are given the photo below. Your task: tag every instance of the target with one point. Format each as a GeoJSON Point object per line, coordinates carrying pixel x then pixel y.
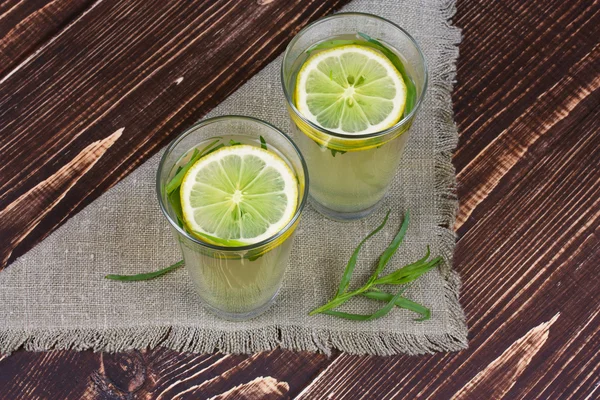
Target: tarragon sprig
{"type": "Point", "coordinates": [401, 276]}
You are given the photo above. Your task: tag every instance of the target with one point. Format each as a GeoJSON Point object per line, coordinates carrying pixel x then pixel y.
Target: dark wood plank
{"type": "Point", "coordinates": [265, 388]}
{"type": "Point", "coordinates": [25, 24]}
{"type": "Point", "coordinates": [529, 51]}
{"type": "Point", "coordinates": [157, 374]}
{"type": "Point", "coordinates": [132, 75]}
{"type": "Point", "coordinates": [52, 375]}
{"type": "Point", "coordinates": [527, 104]}
{"type": "Point", "coordinates": [235, 375]}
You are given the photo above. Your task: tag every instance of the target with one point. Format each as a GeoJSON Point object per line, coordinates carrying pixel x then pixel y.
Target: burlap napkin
{"type": "Point", "coordinates": [55, 296]}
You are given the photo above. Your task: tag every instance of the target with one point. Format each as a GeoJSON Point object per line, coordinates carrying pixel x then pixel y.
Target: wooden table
{"type": "Point", "coordinates": [527, 104]}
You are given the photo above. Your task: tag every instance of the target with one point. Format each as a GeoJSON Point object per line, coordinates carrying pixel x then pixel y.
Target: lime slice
{"type": "Point", "coordinates": [350, 89]}
{"type": "Point", "coordinates": [238, 195]}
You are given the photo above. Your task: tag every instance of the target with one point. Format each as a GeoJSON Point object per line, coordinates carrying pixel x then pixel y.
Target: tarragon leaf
{"type": "Point", "coordinates": [221, 242]}
{"type": "Point", "coordinates": [383, 311]}
{"type": "Point", "coordinates": [392, 248]}
{"type": "Point", "coordinates": [175, 183]}
{"type": "Point", "coordinates": [401, 302]}
{"type": "Point", "coordinates": [408, 273]}
{"type": "Point", "coordinates": [263, 143]}
{"type": "Point", "coordinates": [334, 152]}
{"type": "Point", "coordinates": [145, 276]}
{"type": "Point", "coordinates": [352, 262]}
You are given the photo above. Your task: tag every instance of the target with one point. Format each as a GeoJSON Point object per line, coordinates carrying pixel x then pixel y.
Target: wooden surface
{"type": "Point", "coordinates": [102, 91]}
{"type": "Point", "coordinates": [527, 104]}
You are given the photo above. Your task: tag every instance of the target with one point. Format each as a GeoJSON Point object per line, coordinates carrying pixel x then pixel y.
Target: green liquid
{"type": "Point", "coordinates": [232, 282]}
{"type": "Point", "coordinates": [353, 181]}
{"type": "Point", "coordinates": [236, 285]}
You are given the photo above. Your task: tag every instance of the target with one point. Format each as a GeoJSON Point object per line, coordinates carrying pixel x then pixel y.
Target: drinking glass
{"type": "Point", "coordinates": [350, 174]}
{"type": "Point", "coordinates": [235, 283]}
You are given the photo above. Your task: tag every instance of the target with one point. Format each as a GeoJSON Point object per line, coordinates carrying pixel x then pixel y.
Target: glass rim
{"type": "Point", "coordinates": [252, 246]}
{"type": "Point", "coordinates": [384, 132]}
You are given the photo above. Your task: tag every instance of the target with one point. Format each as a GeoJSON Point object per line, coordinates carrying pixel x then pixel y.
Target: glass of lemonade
{"type": "Point", "coordinates": [233, 189]}
{"type": "Point", "coordinates": [353, 84]}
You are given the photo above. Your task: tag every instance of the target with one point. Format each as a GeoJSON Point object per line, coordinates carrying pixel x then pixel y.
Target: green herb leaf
{"type": "Point", "coordinates": [334, 152]}
{"type": "Point", "coordinates": [336, 301]}
{"type": "Point", "coordinates": [175, 183]}
{"type": "Point", "coordinates": [392, 248]}
{"type": "Point", "coordinates": [175, 201]}
{"type": "Point", "coordinates": [234, 143]}
{"type": "Point", "coordinates": [401, 302]}
{"type": "Point", "coordinates": [409, 267]}
{"type": "Point", "coordinates": [219, 146]}
{"type": "Point", "coordinates": [254, 258]}
{"type": "Point", "coordinates": [330, 44]}
{"type": "Point", "coordinates": [208, 148]}
{"type": "Point", "coordinates": [219, 241]}
{"type": "Point", "coordinates": [408, 274]}
{"type": "Point", "coordinates": [352, 262]}
{"type": "Point", "coordinates": [146, 276]}
{"type": "Point", "coordinates": [377, 314]}
{"type": "Point", "coordinates": [263, 143]}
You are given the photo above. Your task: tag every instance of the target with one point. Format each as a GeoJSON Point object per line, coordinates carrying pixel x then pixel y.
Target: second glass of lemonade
{"type": "Point", "coordinates": [353, 84]}
{"type": "Point", "coordinates": [233, 189]}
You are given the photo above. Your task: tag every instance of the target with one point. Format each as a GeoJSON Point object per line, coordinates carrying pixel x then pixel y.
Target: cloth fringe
{"type": "Point", "coordinates": [441, 87]}
{"type": "Point", "coordinates": [199, 340]}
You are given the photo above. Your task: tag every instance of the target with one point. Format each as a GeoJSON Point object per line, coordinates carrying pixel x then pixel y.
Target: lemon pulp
{"type": "Point", "coordinates": [241, 194]}
{"type": "Point", "coordinates": [350, 89]}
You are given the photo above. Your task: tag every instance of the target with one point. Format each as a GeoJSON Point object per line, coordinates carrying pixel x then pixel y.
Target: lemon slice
{"type": "Point", "coordinates": [350, 89]}
{"type": "Point", "coordinates": [238, 195]}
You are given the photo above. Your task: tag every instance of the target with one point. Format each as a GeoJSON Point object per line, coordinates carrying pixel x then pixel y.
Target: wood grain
{"type": "Point", "coordinates": [527, 104]}
{"type": "Point", "coordinates": [121, 65]}
{"type": "Point", "coordinates": [265, 388]}
{"type": "Point", "coordinates": [24, 25]}
{"type": "Point", "coordinates": [510, 365]}
{"type": "Point", "coordinates": [158, 374]}
{"type": "Point", "coordinates": [35, 204]}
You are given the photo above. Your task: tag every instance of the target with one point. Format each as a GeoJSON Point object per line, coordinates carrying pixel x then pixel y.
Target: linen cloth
{"type": "Point", "coordinates": [56, 297]}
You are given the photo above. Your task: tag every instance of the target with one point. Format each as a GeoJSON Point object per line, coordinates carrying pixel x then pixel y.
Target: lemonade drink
{"type": "Point", "coordinates": [349, 185]}
{"type": "Point", "coordinates": [242, 187]}
{"type": "Point", "coordinates": [353, 83]}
